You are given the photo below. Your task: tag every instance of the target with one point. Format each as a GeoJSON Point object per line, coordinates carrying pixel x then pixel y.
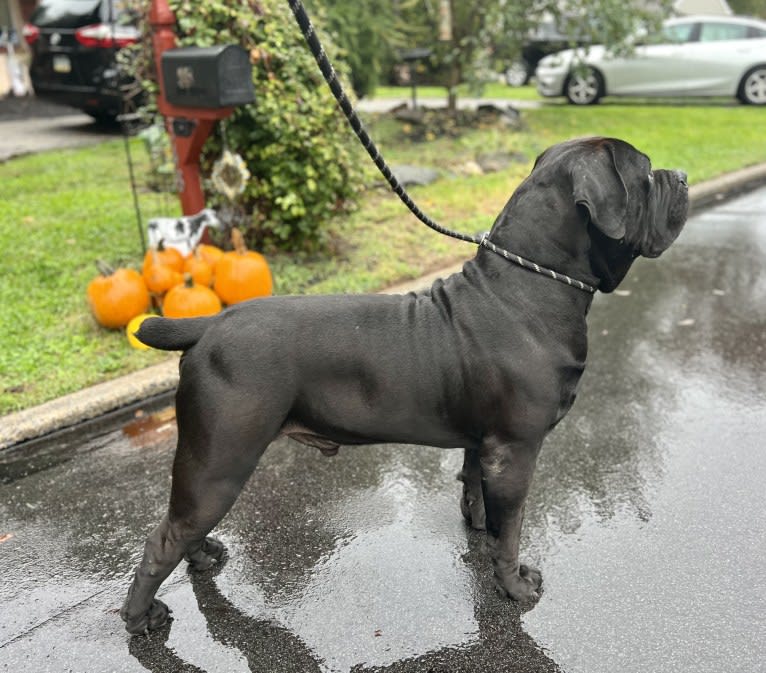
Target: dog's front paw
{"type": "Point", "coordinates": [522, 586]}
{"type": "Point", "coordinates": [209, 553]}
{"type": "Point", "coordinates": [154, 618]}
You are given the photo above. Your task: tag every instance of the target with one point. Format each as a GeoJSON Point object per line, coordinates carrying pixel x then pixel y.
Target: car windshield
{"type": "Point", "coordinates": [65, 12]}
{"type": "Point", "coordinates": [76, 13]}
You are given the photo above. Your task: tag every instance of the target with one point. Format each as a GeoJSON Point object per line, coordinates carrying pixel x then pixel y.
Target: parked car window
{"type": "Point", "coordinates": [678, 32]}
{"type": "Point", "coordinates": [713, 32]}
{"type": "Point", "coordinates": [63, 12]}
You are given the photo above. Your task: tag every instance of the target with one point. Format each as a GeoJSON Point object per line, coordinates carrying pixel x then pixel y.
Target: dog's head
{"type": "Point", "coordinates": [628, 208]}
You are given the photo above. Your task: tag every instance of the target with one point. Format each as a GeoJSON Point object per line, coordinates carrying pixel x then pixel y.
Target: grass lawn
{"type": "Point", "coordinates": [61, 211]}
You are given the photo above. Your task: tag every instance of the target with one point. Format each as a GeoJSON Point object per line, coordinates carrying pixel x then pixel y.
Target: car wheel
{"type": "Point", "coordinates": [752, 88]}
{"type": "Point", "coordinates": [584, 87]}
{"type": "Point", "coordinates": [517, 74]}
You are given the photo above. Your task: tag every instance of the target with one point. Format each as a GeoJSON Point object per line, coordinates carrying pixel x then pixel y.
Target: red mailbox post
{"type": "Point", "coordinates": [188, 127]}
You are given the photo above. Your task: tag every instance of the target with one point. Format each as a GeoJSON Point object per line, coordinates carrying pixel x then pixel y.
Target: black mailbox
{"type": "Point", "coordinates": [207, 77]}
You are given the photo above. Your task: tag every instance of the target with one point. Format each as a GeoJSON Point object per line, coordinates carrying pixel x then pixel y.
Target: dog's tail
{"type": "Point", "coordinates": [172, 334]}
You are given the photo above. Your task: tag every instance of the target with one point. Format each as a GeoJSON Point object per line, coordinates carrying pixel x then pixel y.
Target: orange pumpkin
{"type": "Point", "coordinates": [241, 273]}
{"type": "Point", "coordinates": [165, 256]}
{"type": "Point", "coordinates": [190, 300]}
{"type": "Point", "coordinates": [200, 270]}
{"type": "Point", "coordinates": [210, 253]}
{"type": "Point", "coordinates": [160, 278]}
{"type": "Point", "coordinates": [117, 296]}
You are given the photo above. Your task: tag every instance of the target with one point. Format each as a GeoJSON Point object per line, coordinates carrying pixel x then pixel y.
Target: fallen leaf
{"type": "Point", "coordinates": [5, 537]}
{"type": "Point", "coordinates": [378, 633]}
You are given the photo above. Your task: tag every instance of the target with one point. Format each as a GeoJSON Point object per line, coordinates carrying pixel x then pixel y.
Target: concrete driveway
{"type": "Point", "coordinates": [28, 125]}
{"type": "Point", "coordinates": [30, 136]}
{"type": "Point", "coordinates": [646, 517]}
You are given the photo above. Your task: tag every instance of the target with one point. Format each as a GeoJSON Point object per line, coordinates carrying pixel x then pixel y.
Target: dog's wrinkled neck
{"type": "Point", "coordinates": [547, 231]}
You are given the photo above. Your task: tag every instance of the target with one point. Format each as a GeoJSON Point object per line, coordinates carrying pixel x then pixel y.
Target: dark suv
{"type": "Point", "coordinates": [74, 43]}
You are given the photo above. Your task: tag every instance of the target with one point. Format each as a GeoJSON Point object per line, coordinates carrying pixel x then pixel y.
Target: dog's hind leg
{"type": "Point", "coordinates": [472, 502]}
{"type": "Point", "coordinates": [507, 469]}
{"type": "Point", "coordinates": [208, 476]}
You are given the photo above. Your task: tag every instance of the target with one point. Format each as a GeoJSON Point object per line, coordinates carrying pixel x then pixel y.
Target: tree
{"type": "Point", "coordinates": [749, 7]}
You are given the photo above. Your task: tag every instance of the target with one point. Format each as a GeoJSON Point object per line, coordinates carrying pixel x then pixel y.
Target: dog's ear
{"type": "Point", "coordinates": [598, 186]}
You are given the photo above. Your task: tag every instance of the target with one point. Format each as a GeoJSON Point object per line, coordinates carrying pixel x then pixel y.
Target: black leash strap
{"type": "Point", "coordinates": [331, 78]}
{"type": "Point", "coordinates": [333, 82]}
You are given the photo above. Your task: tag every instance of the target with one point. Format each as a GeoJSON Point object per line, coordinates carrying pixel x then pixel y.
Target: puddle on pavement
{"type": "Point", "coordinates": [145, 426]}
{"type": "Point", "coordinates": [147, 429]}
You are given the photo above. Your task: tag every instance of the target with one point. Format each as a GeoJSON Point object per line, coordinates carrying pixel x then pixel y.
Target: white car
{"type": "Point", "coordinates": [694, 56]}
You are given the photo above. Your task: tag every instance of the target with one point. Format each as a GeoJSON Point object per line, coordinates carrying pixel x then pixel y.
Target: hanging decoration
{"type": "Point", "coordinates": [230, 175]}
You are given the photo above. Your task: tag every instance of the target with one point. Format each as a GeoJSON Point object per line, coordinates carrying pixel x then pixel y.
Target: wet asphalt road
{"type": "Point", "coordinates": [647, 518]}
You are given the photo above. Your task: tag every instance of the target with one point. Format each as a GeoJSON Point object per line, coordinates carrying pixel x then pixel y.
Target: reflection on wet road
{"type": "Point", "coordinates": [647, 517]}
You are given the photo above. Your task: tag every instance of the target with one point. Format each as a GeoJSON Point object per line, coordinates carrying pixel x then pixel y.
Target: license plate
{"type": "Point", "coordinates": [62, 64]}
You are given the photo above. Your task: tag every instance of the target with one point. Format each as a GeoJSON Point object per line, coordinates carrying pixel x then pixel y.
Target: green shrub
{"type": "Point", "coordinates": [295, 141]}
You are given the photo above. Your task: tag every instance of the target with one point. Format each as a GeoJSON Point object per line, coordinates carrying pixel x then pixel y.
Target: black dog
{"type": "Point", "coordinates": [488, 360]}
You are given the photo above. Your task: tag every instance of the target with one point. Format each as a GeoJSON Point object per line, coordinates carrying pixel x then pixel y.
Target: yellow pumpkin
{"type": "Point", "coordinates": [132, 328]}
